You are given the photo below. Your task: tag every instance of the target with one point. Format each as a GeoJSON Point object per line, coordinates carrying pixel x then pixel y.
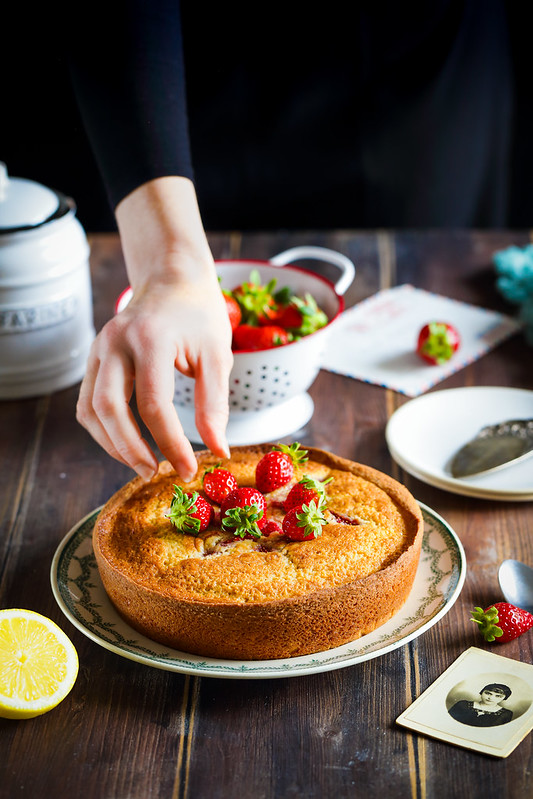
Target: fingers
{"type": "Point", "coordinates": [103, 409]}
{"type": "Point", "coordinates": [85, 412]}
{"type": "Point", "coordinates": [155, 393]}
{"type": "Point", "coordinates": [141, 349]}
{"type": "Point", "coordinates": [211, 398]}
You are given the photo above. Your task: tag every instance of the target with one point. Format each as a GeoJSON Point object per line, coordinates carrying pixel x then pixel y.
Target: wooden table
{"type": "Point", "coordinates": [129, 731]}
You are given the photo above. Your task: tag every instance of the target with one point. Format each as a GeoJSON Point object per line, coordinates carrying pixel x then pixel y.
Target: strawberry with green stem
{"type": "Point", "coordinates": [437, 342]}
{"type": "Point", "coordinates": [301, 316]}
{"type": "Point", "coordinates": [255, 299]}
{"type": "Point", "coordinates": [233, 308]}
{"type": "Point", "coordinates": [243, 512]}
{"type": "Point", "coordinates": [218, 482]}
{"type": "Point", "coordinates": [276, 468]}
{"type": "Point", "coordinates": [306, 490]}
{"type": "Point", "coordinates": [250, 338]}
{"type": "Point", "coordinates": [502, 622]}
{"type": "Point", "coordinates": [303, 522]}
{"type": "Point", "coordinates": [189, 512]}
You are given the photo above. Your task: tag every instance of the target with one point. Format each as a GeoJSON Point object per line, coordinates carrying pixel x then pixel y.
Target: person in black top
{"type": "Point", "coordinates": [485, 711]}
{"type": "Point", "coordinates": [238, 118]}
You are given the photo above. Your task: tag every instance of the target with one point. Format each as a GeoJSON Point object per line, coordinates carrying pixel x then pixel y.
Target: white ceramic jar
{"type": "Point", "coordinates": [46, 314]}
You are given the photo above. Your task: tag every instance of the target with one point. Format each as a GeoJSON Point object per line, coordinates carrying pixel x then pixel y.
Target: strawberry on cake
{"type": "Point", "coordinates": [278, 551]}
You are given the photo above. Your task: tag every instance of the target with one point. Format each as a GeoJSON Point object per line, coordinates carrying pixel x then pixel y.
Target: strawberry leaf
{"type": "Point", "coordinates": [319, 486]}
{"type": "Point", "coordinates": [311, 519]}
{"type": "Point", "coordinates": [298, 456]}
{"type": "Point", "coordinates": [181, 508]}
{"type": "Point", "coordinates": [488, 623]}
{"type": "Point", "coordinates": [284, 296]}
{"type": "Point", "coordinates": [242, 521]}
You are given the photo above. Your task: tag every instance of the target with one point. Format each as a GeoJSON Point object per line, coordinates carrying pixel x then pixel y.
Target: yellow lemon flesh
{"type": "Point", "coordinates": [38, 664]}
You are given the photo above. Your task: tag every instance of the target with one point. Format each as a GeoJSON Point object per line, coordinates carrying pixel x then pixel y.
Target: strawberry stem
{"type": "Point", "coordinates": [297, 455]}
{"type": "Point", "coordinates": [181, 508]}
{"type": "Point", "coordinates": [318, 486]}
{"type": "Point", "coordinates": [488, 623]}
{"type": "Point", "coordinates": [311, 519]}
{"type": "Point", "coordinates": [437, 344]}
{"type": "Point", "coordinates": [242, 521]}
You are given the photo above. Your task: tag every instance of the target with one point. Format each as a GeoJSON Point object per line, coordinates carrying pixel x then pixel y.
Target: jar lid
{"type": "Point", "coordinates": [24, 203]}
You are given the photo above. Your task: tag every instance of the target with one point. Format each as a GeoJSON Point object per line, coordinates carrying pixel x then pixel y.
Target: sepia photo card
{"type": "Point", "coordinates": [483, 701]}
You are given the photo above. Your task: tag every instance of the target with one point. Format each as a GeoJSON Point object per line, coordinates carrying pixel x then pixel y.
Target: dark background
{"type": "Point", "coordinates": [42, 136]}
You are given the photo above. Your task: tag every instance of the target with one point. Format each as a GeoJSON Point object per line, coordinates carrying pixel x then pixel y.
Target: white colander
{"type": "Point", "coordinates": [268, 388]}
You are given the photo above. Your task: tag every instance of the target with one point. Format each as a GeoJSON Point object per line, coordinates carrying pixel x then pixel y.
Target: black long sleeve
{"type": "Point", "coordinates": [127, 69]}
{"type": "Point", "coordinates": [401, 116]}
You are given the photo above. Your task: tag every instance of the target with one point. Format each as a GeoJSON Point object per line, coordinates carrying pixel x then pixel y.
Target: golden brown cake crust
{"type": "Point", "coordinates": [222, 597]}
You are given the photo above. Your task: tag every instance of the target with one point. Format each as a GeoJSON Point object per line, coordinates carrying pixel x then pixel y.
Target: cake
{"type": "Point", "coordinates": [264, 595]}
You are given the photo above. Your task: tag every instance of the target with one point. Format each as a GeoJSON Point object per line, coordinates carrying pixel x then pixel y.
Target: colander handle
{"type": "Point", "coordinates": [320, 254]}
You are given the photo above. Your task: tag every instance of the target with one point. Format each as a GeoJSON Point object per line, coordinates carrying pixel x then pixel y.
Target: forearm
{"type": "Point", "coordinates": [162, 235]}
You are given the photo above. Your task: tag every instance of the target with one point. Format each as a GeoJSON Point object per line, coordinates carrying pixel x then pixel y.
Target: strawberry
{"type": "Point", "coordinates": [304, 522]}
{"type": "Point", "coordinates": [276, 468]}
{"type": "Point", "coordinates": [270, 527]}
{"type": "Point", "coordinates": [234, 310]}
{"type": "Point", "coordinates": [286, 316]}
{"type": "Point", "coordinates": [437, 342]}
{"type": "Point", "coordinates": [502, 622]}
{"type": "Point", "coordinates": [255, 299]}
{"type": "Point", "coordinates": [218, 482]}
{"type": "Point", "coordinates": [311, 316]}
{"type": "Point", "coordinates": [249, 337]}
{"type": "Point", "coordinates": [305, 491]}
{"type": "Point", "coordinates": [189, 512]}
{"type": "Point", "coordinates": [243, 512]}
{"type": "Point", "coordinates": [300, 316]}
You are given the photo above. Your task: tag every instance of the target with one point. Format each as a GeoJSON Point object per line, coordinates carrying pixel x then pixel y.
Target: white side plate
{"type": "Point", "coordinates": [425, 433]}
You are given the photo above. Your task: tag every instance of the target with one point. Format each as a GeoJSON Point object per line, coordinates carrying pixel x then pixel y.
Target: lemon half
{"type": "Point", "coordinates": [38, 664]}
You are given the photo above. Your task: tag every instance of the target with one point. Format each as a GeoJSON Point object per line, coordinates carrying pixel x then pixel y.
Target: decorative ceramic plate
{"type": "Point", "coordinates": [80, 594]}
{"type": "Point", "coordinates": [424, 434]}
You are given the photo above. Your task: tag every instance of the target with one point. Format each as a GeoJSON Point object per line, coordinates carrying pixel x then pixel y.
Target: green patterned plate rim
{"type": "Point", "coordinates": [79, 593]}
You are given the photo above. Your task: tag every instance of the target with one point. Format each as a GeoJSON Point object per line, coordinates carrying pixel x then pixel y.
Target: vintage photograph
{"type": "Point", "coordinates": [483, 701]}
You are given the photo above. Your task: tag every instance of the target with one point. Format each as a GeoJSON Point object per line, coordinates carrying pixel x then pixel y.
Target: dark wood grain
{"type": "Point", "coordinates": [131, 732]}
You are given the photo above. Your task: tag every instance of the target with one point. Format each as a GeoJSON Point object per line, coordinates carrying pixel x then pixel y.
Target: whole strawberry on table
{"type": "Point", "coordinates": [502, 622]}
{"type": "Point", "coordinates": [263, 316]}
{"type": "Point", "coordinates": [437, 342]}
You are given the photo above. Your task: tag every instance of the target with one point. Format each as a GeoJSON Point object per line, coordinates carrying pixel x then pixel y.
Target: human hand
{"type": "Point", "coordinates": [177, 319]}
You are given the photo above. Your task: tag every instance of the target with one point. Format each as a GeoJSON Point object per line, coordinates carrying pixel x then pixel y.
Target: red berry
{"type": "Point", "coordinates": [276, 468]}
{"type": "Point", "coordinates": [270, 527]}
{"type": "Point", "coordinates": [234, 310]}
{"type": "Point", "coordinates": [251, 338]}
{"type": "Point", "coordinates": [243, 512]}
{"type": "Point", "coordinates": [242, 496]}
{"type": "Point", "coordinates": [502, 622]}
{"type": "Point", "coordinates": [305, 491]}
{"type": "Point", "coordinates": [304, 522]}
{"type": "Point", "coordinates": [301, 316]}
{"type": "Point", "coordinates": [288, 316]}
{"type": "Point", "coordinates": [189, 512]}
{"type": "Point", "coordinates": [218, 482]}
{"type": "Point", "coordinates": [255, 298]}
{"type": "Point", "coordinates": [437, 342]}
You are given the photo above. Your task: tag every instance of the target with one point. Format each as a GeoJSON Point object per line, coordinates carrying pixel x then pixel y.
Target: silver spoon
{"type": "Point", "coordinates": [516, 583]}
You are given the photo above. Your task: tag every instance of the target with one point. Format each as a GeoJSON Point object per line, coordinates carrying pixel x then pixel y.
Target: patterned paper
{"type": "Point", "coordinates": [375, 341]}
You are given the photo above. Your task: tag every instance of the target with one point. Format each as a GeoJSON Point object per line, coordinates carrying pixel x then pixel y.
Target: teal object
{"type": "Point", "coordinates": [514, 270]}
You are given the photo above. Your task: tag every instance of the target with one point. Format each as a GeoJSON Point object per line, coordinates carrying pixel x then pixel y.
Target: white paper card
{"type": "Point", "coordinates": [375, 341]}
{"type": "Point", "coordinates": [483, 701]}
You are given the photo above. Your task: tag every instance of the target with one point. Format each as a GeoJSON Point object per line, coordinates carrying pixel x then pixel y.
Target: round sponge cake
{"type": "Point", "coordinates": [217, 595]}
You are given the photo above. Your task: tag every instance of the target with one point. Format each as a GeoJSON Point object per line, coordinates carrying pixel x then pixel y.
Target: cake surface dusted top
{"type": "Point", "coordinates": [371, 521]}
